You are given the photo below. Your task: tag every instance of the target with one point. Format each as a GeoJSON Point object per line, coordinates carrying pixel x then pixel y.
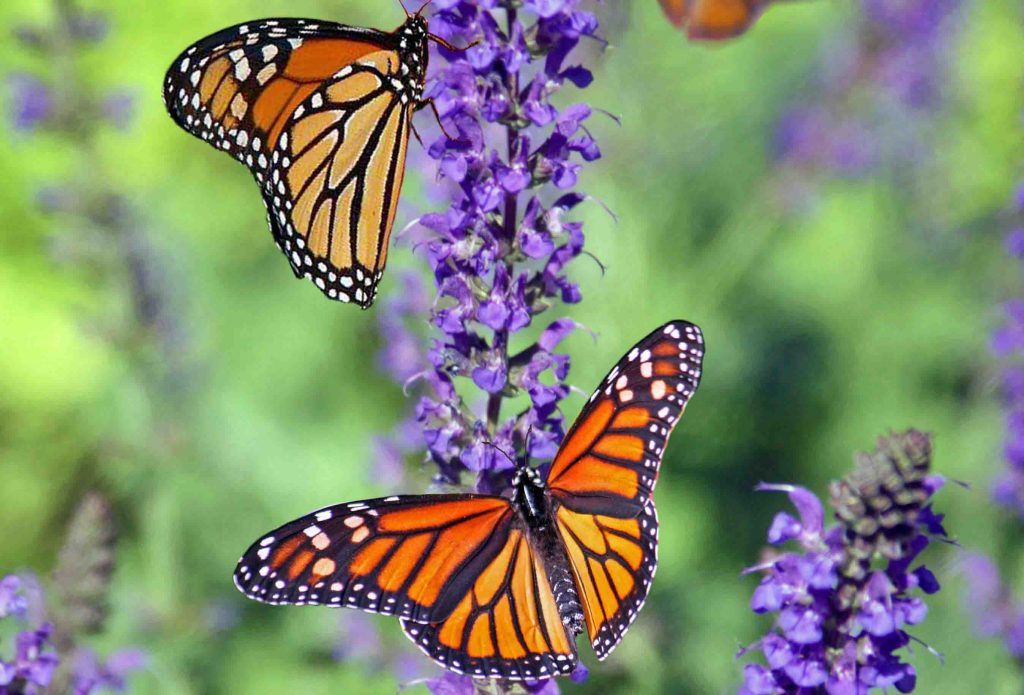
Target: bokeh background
{"type": "Point", "coordinates": [826, 196]}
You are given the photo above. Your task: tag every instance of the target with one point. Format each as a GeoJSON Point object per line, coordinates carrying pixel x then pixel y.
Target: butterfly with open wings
{"type": "Point", "coordinates": [500, 586]}
{"type": "Point", "coordinates": [320, 113]}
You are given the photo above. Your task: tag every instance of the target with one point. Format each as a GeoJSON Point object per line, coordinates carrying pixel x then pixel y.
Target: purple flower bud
{"type": "Point", "coordinates": [758, 680]}
{"type": "Point", "coordinates": [876, 613]}
{"type": "Point", "coordinates": [31, 102]}
{"type": "Point", "coordinates": [12, 602]}
{"type": "Point", "coordinates": [801, 624]}
{"type": "Point", "coordinates": [807, 672]}
{"type": "Point", "coordinates": [812, 515]}
{"type": "Point", "coordinates": [490, 379]}
{"type": "Point", "coordinates": [118, 108]}
{"type": "Point", "coordinates": [768, 596]}
{"type": "Point", "coordinates": [451, 684]}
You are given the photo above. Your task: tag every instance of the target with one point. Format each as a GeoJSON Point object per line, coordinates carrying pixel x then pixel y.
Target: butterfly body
{"type": "Point", "coordinates": [500, 586]}
{"type": "Point", "coordinates": [320, 113]}
{"type": "Point", "coordinates": [534, 504]}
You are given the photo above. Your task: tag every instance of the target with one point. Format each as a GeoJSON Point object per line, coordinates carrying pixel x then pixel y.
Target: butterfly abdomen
{"type": "Point", "coordinates": [563, 586]}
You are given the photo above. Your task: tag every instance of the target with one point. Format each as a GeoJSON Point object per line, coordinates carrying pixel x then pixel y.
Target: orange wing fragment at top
{"type": "Point", "coordinates": [713, 19]}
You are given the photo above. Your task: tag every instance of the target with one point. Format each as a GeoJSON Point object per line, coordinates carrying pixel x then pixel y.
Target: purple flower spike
{"type": "Point", "coordinates": [875, 98]}
{"type": "Point", "coordinates": [499, 254]}
{"type": "Point", "coordinates": [843, 599]}
{"type": "Point", "coordinates": [31, 102]}
{"type": "Point", "coordinates": [509, 158]}
{"type": "Point", "coordinates": [12, 602]}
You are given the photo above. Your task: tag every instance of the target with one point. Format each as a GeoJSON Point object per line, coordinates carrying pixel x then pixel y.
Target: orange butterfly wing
{"type": "Point", "coordinates": [712, 19]}
{"type": "Point", "coordinates": [608, 462]}
{"type": "Point", "coordinates": [320, 113]}
{"type": "Point", "coordinates": [613, 561]}
{"type": "Point", "coordinates": [604, 474]}
{"type": "Point", "coordinates": [505, 625]}
{"type": "Point", "coordinates": [405, 555]}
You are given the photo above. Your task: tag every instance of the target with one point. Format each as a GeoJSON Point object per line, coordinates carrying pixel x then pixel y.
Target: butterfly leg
{"type": "Point", "coordinates": [441, 42]}
{"type": "Point", "coordinates": [417, 134]}
{"type": "Point", "coordinates": [437, 115]}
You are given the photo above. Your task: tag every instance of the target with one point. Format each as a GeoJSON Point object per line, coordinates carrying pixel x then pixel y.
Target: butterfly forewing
{"type": "Point", "coordinates": [713, 19]}
{"type": "Point", "coordinates": [411, 556]}
{"type": "Point", "coordinates": [608, 462]}
{"type": "Point", "coordinates": [320, 113]}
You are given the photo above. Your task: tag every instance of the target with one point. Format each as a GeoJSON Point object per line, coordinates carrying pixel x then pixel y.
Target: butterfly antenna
{"type": "Point", "coordinates": [419, 12]}
{"type": "Point", "coordinates": [526, 446]}
{"type": "Point", "coordinates": [503, 452]}
{"type": "Point", "coordinates": [406, 10]}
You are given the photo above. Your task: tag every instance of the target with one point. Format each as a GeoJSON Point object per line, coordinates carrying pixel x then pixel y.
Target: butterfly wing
{"type": "Point", "coordinates": [320, 114]}
{"type": "Point", "coordinates": [411, 556]}
{"type": "Point", "coordinates": [506, 624]}
{"type": "Point", "coordinates": [613, 561]}
{"type": "Point", "coordinates": [608, 462]}
{"type": "Point", "coordinates": [712, 19]}
{"type": "Point", "coordinates": [604, 474]}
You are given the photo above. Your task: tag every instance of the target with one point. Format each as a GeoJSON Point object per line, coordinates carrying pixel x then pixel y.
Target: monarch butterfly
{"type": "Point", "coordinates": [500, 586]}
{"type": "Point", "coordinates": [713, 19]}
{"type": "Point", "coordinates": [320, 113]}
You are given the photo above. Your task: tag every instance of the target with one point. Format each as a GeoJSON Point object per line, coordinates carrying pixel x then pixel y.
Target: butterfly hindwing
{"type": "Point", "coordinates": [608, 462]}
{"type": "Point", "coordinates": [506, 624]}
{"type": "Point", "coordinates": [613, 561]}
{"type": "Point", "coordinates": [334, 205]}
{"type": "Point", "coordinates": [320, 113]}
{"type": "Point", "coordinates": [411, 556]}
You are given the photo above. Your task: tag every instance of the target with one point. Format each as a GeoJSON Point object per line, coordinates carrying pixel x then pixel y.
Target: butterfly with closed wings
{"type": "Point", "coordinates": [320, 113]}
{"type": "Point", "coordinates": [495, 586]}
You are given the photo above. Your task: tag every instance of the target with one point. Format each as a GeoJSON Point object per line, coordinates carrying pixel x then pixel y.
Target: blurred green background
{"type": "Point", "coordinates": [864, 306]}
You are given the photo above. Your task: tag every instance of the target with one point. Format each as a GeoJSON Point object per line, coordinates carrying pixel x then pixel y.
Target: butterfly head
{"type": "Point", "coordinates": [415, 29]}
{"type": "Point", "coordinates": [412, 47]}
{"type": "Point", "coordinates": [528, 492]}
{"type": "Point", "coordinates": [527, 476]}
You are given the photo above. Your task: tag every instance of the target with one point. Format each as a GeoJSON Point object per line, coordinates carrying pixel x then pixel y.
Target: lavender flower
{"type": "Point", "coordinates": [453, 684]}
{"type": "Point", "coordinates": [508, 159]}
{"type": "Point", "coordinates": [878, 87]}
{"type": "Point", "coordinates": [49, 655]}
{"type": "Point", "coordinates": [499, 253]}
{"type": "Point", "coordinates": [843, 602]}
{"type": "Point", "coordinates": [1008, 345]}
{"type": "Point", "coordinates": [32, 665]}
{"type": "Point", "coordinates": [995, 612]}
{"type": "Point", "coordinates": [12, 601]}
{"type": "Point", "coordinates": [31, 102]}
{"type": "Point", "coordinates": [92, 675]}
{"type": "Point", "coordinates": [109, 241]}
